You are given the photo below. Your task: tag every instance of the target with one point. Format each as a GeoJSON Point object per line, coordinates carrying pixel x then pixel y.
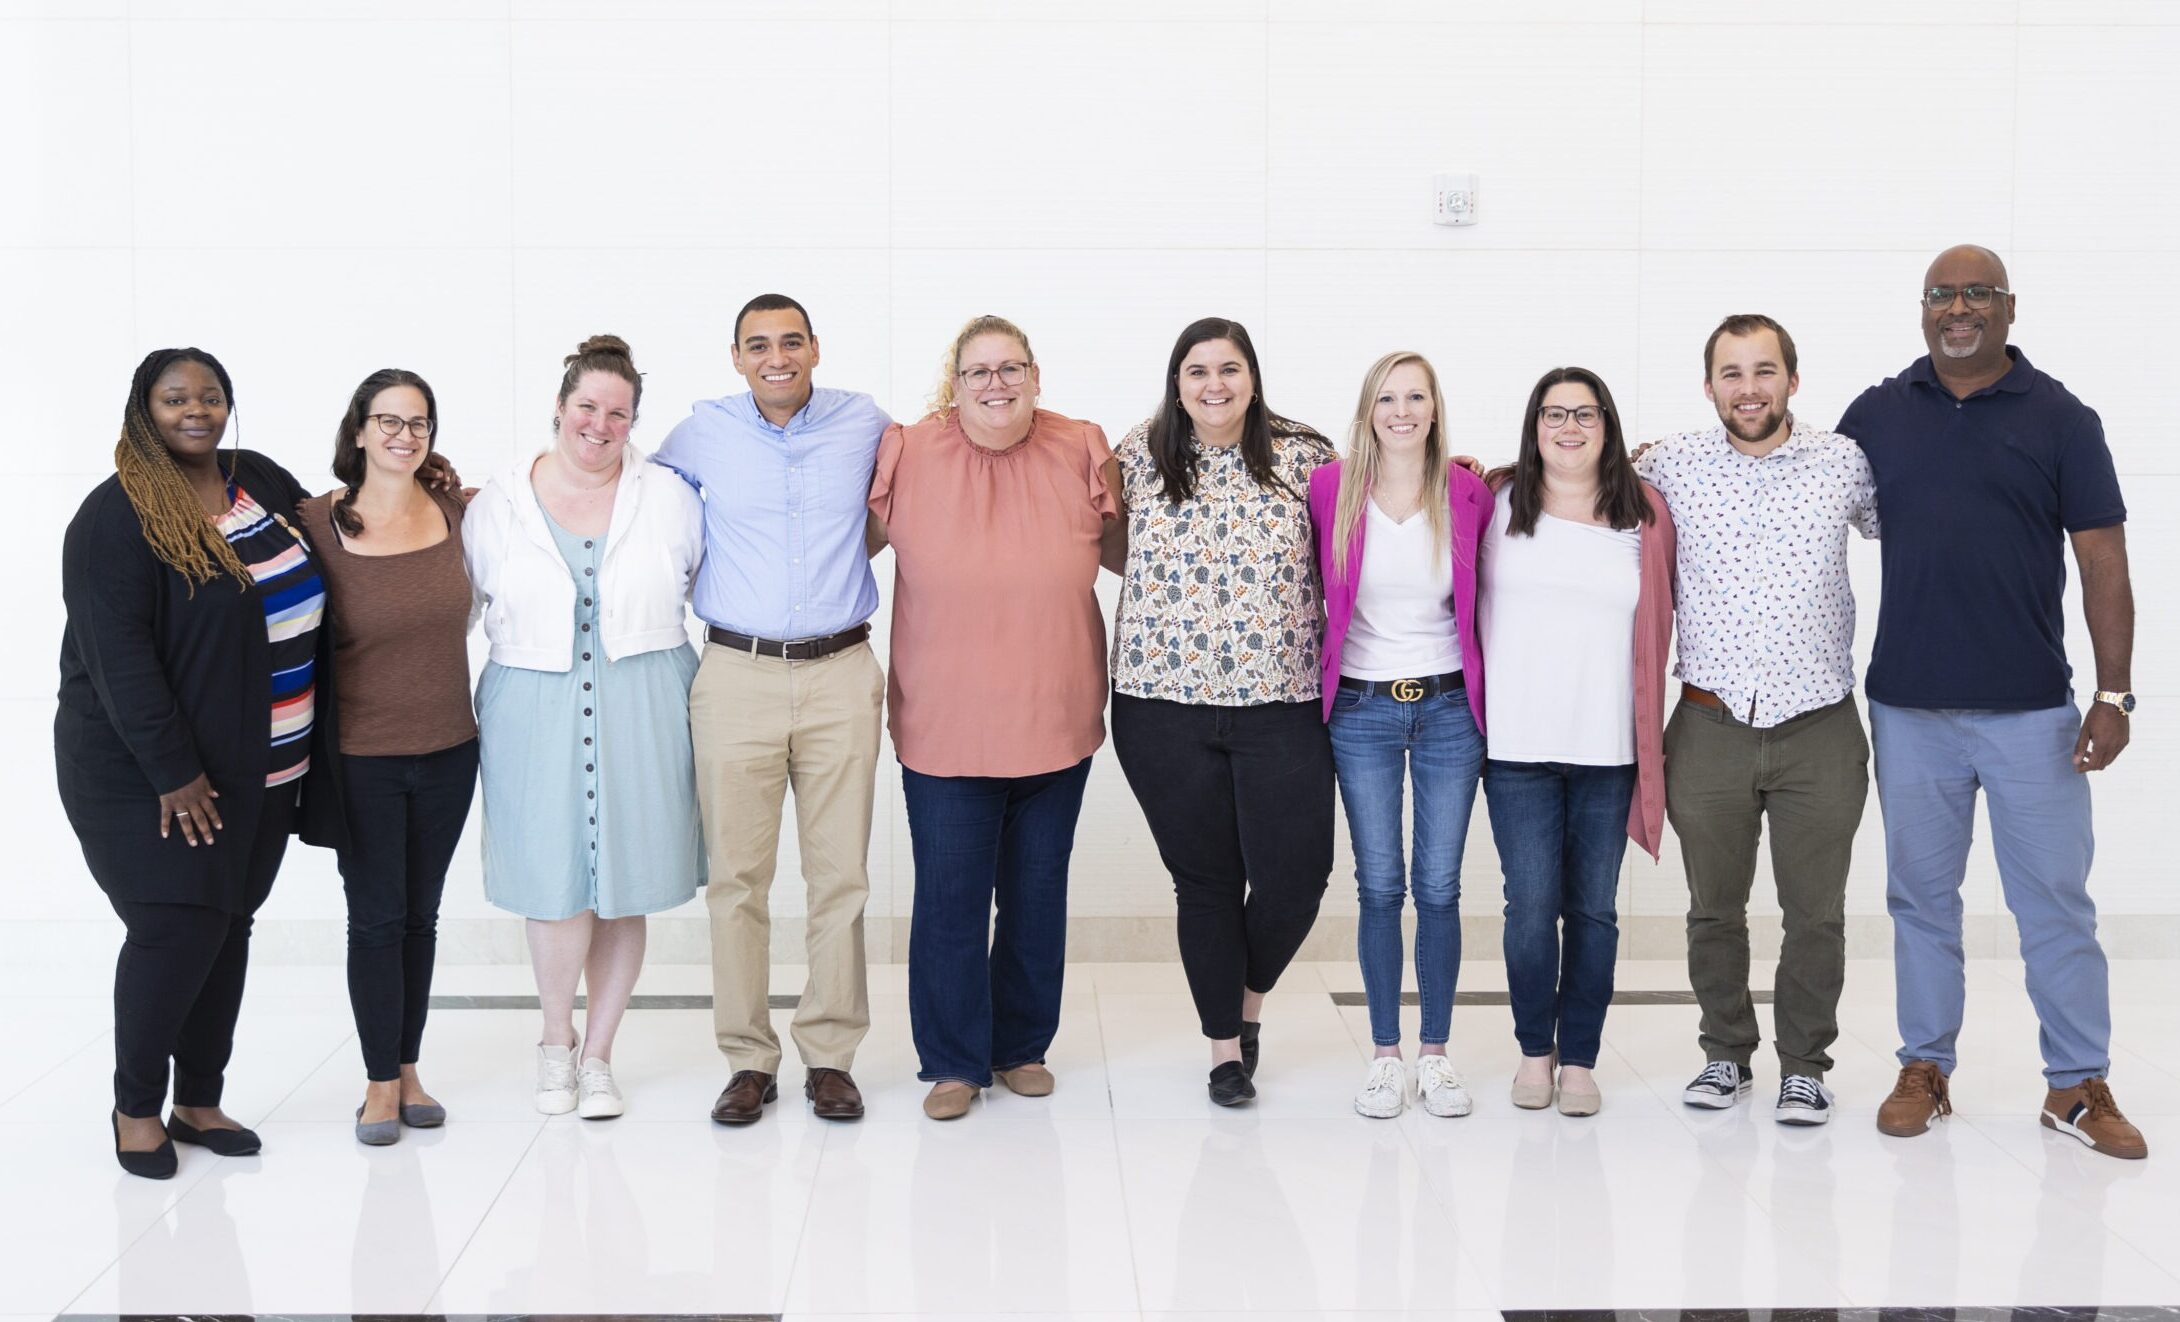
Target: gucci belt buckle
{"type": "Point", "coordinates": [1405, 690]}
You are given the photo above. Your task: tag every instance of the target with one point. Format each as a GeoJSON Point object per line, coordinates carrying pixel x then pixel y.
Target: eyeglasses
{"type": "Point", "coordinates": [1588, 416]}
{"type": "Point", "coordinates": [389, 425]}
{"type": "Point", "coordinates": [1009, 374]}
{"type": "Point", "coordinates": [1939, 297]}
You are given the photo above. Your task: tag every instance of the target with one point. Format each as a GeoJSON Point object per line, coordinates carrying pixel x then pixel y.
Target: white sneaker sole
{"type": "Point", "coordinates": [1450, 1110]}
{"type": "Point", "coordinates": [1380, 1110]}
{"type": "Point", "coordinates": [1711, 1101]}
{"type": "Point", "coordinates": [1797, 1115]}
{"type": "Point", "coordinates": [555, 1103]}
{"type": "Point", "coordinates": [603, 1108]}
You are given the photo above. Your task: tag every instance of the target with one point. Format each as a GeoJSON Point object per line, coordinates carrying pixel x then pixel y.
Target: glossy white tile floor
{"type": "Point", "coordinates": [1125, 1195]}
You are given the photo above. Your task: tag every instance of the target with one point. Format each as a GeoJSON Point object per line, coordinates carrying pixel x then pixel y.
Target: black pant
{"type": "Point", "coordinates": [405, 817]}
{"type": "Point", "coordinates": [178, 982]}
{"type": "Point", "coordinates": [1239, 800]}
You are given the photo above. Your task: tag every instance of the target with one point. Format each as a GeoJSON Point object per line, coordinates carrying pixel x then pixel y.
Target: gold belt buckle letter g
{"type": "Point", "coordinates": [1406, 690]}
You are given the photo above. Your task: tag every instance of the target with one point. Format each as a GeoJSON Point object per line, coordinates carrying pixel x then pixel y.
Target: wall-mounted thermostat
{"type": "Point", "coordinates": [1453, 199]}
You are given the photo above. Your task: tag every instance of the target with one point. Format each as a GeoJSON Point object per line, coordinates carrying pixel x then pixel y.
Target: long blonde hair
{"type": "Point", "coordinates": [1360, 473]}
{"type": "Point", "coordinates": [942, 398]}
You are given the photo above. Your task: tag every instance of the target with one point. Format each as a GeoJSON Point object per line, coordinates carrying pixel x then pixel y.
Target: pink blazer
{"type": "Point", "coordinates": [1653, 639]}
{"type": "Point", "coordinates": [1470, 503]}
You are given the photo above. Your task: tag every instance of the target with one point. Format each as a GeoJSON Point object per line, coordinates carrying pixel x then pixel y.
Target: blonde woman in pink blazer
{"type": "Point", "coordinates": [1396, 530]}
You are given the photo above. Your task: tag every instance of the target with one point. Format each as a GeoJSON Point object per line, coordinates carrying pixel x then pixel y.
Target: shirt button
{"type": "Point", "coordinates": [586, 741]}
{"type": "Point", "coordinates": [586, 601]}
{"type": "Point", "coordinates": [586, 629]}
{"type": "Point", "coordinates": [586, 656]}
{"type": "Point", "coordinates": [590, 794]}
{"type": "Point", "coordinates": [593, 821]}
{"type": "Point", "coordinates": [586, 689]}
{"type": "Point", "coordinates": [588, 545]}
{"type": "Point", "coordinates": [586, 571]}
{"type": "Point", "coordinates": [586, 711]}
{"type": "Point", "coordinates": [590, 766]}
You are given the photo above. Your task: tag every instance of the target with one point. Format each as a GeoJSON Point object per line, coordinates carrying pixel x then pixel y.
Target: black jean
{"type": "Point", "coordinates": [405, 817]}
{"type": "Point", "coordinates": [1239, 801]}
{"type": "Point", "coordinates": [178, 981]}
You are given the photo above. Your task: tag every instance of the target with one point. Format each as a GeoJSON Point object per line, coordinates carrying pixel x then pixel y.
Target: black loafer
{"type": "Point", "coordinates": [1230, 1084]}
{"type": "Point", "coordinates": [1249, 1033]}
{"type": "Point", "coordinates": [158, 1164]}
{"type": "Point", "coordinates": [225, 1142]}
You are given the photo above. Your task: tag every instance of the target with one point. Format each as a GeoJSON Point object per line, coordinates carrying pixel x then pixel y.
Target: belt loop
{"type": "Point", "coordinates": [753, 649]}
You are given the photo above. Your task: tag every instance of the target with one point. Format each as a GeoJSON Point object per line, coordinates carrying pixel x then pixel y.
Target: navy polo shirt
{"type": "Point", "coordinates": [1977, 496]}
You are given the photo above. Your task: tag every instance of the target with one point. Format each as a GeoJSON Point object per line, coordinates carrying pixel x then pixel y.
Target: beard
{"type": "Point", "coordinates": [1750, 431]}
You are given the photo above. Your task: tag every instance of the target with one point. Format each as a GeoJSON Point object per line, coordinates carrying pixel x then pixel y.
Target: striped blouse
{"type": "Point", "coordinates": [294, 596]}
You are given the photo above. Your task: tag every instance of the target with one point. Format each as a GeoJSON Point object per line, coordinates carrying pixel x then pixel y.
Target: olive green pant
{"type": "Point", "coordinates": [1809, 777]}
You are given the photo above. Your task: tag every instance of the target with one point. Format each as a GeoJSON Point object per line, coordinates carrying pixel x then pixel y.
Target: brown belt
{"type": "Point", "coordinates": [799, 649]}
{"type": "Point", "coordinates": [1701, 697]}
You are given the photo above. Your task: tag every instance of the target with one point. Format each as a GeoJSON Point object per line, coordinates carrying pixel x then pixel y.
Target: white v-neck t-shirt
{"type": "Point", "coordinates": [1403, 627]}
{"type": "Point", "coordinates": [1558, 625]}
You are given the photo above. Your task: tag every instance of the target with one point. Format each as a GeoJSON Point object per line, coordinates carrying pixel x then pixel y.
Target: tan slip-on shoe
{"type": "Point", "coordinates": [949, 1099]}
{"type": "Point", "coordinates": [1031, 1080]}
{"type": "Point", "coordinates": [2087, 1112]}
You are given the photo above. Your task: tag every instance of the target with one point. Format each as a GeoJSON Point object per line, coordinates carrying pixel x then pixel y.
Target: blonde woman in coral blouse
{"type": "Point", "coordinates": [999, 514]}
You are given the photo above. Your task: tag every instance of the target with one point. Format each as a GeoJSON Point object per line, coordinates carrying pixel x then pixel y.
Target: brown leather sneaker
{"type": "Point", "coordinates": [2086, 1111]}
{"type": "Point", "coordinates": [833, 1095]}
{"type": "Point", "coordinates": [1917, 1099]}
{"type": "Point", "coordinates": [743, 1100]}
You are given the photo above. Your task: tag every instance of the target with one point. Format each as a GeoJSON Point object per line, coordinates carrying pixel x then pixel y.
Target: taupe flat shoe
{"type": "Point", "coordinates": [949, 1100]}
{"type": "Point", "coordinates": [1031, 1080]}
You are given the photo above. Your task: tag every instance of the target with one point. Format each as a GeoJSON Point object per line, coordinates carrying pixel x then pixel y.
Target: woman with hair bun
{"type": "Point", "coordinates": [399, 730]}
{"type": "Point", "coordinates": [582, 558]}
{"type": "Point", "coordinates": [188, 683]}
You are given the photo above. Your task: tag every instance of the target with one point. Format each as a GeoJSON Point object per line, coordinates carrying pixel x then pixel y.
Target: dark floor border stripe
{"type": "Point", "coordinates": [1977, 1313]}
{"type": "Point", "coordinates": [695, 1002]}
{"type": "Point", "coordinates": [417, 1317]}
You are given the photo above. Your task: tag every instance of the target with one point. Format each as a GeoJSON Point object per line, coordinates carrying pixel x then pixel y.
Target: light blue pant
{"type": "Point", "coordinates": [1929, 765]}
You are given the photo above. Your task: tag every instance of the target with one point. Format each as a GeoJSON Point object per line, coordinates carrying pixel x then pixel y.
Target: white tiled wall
{"type": "Point", "coordinates": [315, 190]}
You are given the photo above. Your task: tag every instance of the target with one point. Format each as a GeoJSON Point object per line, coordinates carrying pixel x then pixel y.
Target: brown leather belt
{"type": "Point", "coordinates": [798, 649]}
{"type": "Point", "coordinates": [1701, 697]}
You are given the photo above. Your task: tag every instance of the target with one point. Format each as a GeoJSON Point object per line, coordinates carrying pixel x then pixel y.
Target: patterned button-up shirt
{"type": "Point", "coordinates": [1766, 613]}
{"type": "Point", "coordinates": [1221, 605]}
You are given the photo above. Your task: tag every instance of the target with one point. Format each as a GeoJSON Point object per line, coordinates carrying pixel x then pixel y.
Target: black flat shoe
{"type": "Point", "coordinates": [225, 1142]}
{"type": "Point", "coordinates": [158, 1164]}
{"type": "Point", "coordinates": [1230, 1084]}
{"type": "Point", "coordinates": [1249, 1033]}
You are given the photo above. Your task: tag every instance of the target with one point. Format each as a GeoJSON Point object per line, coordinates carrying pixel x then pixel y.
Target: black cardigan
{"type": "Point", "coordinates": [160, 685]}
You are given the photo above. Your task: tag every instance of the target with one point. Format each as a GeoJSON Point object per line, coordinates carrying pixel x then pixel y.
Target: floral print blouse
{"type": "Point", "coordinates": [1221, 605]}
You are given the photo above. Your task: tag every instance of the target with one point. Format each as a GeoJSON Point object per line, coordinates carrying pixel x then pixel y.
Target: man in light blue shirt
{"type": "Point", "coordinates": [789, 693]}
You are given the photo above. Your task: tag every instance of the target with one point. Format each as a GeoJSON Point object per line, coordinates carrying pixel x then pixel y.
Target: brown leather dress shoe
{"type": "Point", "coordinates": [743, 1100]}
{"type": "Point", "coordinates": [833, 1095]}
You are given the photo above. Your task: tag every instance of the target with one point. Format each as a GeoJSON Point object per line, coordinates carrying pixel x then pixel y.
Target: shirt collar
{"type": "Point", "coordinates": [2017, 381]}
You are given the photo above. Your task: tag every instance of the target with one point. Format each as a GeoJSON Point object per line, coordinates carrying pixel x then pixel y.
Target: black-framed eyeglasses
{"type": "Point", "coordinates": [1587, 416]}
{"type": "Point", "coordinates": [1939, 297]}
{"type": "Point", "coordinates": [391, 425]}
{"type": "Point", "coordinates": [1009, 374]}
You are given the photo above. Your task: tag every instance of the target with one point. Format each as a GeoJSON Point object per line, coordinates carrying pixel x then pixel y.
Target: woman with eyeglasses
{"type": "Point", "coordinates": [1576, 579]}
{"type": "Point", "coordinates": [582, 558]}
{"type": "Point", "coordinates": [999, 513]}
{"type": "Point", "coordinates": [1217, 717]}
{"type": "Point", "coordinates": [1397, 527]}
{"type": "Point", "coordinates": [187, 693]}
{"type": "Point", "coordinates": [399, 732]}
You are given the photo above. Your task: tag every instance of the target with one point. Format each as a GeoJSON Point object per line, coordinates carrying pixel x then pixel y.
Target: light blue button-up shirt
{"type": "Point", "coordinates": [784, 510]}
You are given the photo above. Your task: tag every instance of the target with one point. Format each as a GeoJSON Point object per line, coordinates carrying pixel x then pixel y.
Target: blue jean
{"type": "Point", "coordinates": [974, 1006]}
{"type": "Point", "coordinates": [1929, 765]}
{"type": "Point", "coordinates": [1561, 831]}
{"type": "Point", "coordinates": [1378, 745]}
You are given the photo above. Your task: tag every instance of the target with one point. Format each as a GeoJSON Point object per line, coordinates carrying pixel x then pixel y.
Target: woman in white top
{"type": "Point", "coordinates": [582, 557]}
{"type": "Point", "coordinates": [1575, 578]}
{"type": "Point", "coordinates": [1396, 529]}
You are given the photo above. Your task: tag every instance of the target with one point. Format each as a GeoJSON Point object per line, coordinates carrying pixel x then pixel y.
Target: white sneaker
{"type": "Point", "coordinates": [1438, 1086]}
{"type": "Point", "coordinates": [555, 1079]}
{"type": "Point", "coordinates": [600, 1099]}
{"type": "Point", "coordinates": [1385, 1089]}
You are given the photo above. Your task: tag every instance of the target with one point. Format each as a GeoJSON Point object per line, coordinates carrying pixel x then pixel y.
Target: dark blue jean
{"type": "Point", "coordinates": [1379, 744]}
{"type": "Point", "coordinates": [1561, 831]}
{"type": "Point", "coordinates": [976, 1005]}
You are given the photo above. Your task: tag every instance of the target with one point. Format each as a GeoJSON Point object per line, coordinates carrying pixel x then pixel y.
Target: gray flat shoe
{"type": "Point", "coordinates": [379, 1133]}
{"type": "Point", "coordinates": [423, 1115]}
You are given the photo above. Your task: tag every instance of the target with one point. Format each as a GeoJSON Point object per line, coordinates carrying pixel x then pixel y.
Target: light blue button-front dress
{"type": "Point", "coordinates": [589, 780]}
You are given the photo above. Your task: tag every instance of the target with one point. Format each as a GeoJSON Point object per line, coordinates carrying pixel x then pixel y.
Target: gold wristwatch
{"type": "Point", "coordinates": [2124, 701]}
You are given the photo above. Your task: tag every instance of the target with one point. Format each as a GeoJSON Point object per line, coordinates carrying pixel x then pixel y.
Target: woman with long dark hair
{"type": "Point", "coordinates": [187, 694]}
{"type": "Point", "coordinates": [1577, 584]}
{"type": "Point", "coordinates": [399, 729]}
{"type": "Point", "coordinates": [1216, 680]}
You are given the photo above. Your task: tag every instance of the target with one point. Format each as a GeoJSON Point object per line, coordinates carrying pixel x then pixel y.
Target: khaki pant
{"type": "Point", "coordinates": [1809, 776]}
{"type": "Point", "coordinates": [761, 724]}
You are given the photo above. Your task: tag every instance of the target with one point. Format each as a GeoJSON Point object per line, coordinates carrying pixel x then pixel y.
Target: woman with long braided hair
{"type": "Point", "coordinates": [188, 686]}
